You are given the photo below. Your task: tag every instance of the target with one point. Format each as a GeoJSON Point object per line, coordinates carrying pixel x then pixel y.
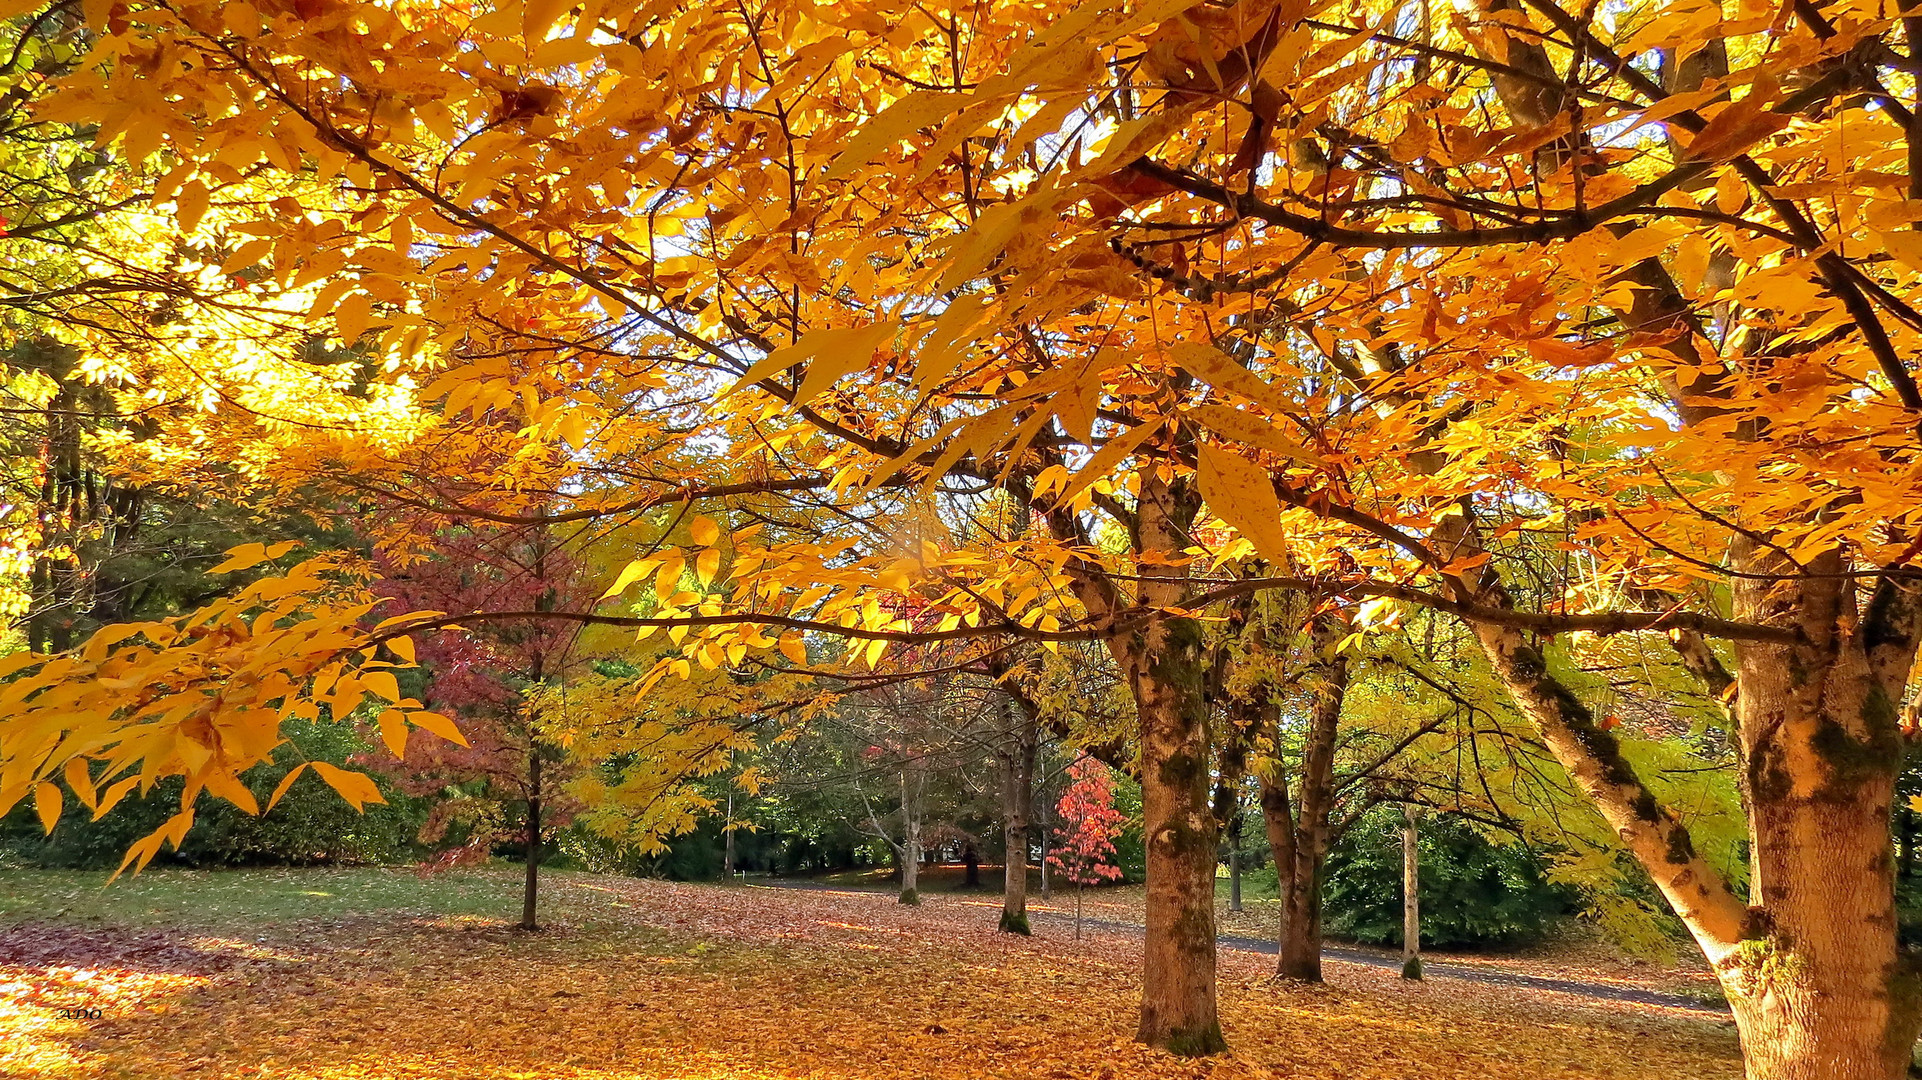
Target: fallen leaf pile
{"type": "Point", "coordinates": [644, 980]}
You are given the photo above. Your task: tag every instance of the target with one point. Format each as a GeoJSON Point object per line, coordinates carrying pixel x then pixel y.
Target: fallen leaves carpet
{"type": "Point", "coordinates": [644, 980]}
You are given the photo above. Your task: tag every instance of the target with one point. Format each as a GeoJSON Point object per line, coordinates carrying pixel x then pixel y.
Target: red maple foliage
{"type": "Point", "coordinates": [1086, 825]}
{"type": "Point", "coordinates": [479, 676]}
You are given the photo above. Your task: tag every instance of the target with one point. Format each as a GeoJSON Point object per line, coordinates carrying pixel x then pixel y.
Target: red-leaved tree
{"type": "Point", "coordinates": [1086, 824]}
{"type": "Point", "coordinates": [505, 782]}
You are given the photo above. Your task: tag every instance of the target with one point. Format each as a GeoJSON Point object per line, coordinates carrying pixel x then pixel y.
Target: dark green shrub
{"type": "Point", "coordinates": [1473, 893]}
{"type": "Point", "coordinates": [310, 824]}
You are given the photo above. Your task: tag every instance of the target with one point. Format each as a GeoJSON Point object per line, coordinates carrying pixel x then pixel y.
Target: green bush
{"type": "Point", "coordinates": [1473, 893]}
{"type": "Point", "coordinates": [311, 823]}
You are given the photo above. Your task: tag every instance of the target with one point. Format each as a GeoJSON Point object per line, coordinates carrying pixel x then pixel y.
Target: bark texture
{"type": "Point", "coordinates": [1165, 670]}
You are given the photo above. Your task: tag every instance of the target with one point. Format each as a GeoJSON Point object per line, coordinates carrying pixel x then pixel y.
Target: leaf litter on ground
{"type": "Point", "coordinates": [650, 980]}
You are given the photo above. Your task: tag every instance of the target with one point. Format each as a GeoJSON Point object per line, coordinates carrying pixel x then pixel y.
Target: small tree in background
{"type": "Point", "coordinates": [1085, 828]}
{"type": "Point", "coordinates": [504, 781]}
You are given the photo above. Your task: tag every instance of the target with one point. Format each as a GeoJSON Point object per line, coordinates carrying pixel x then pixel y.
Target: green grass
{"type": "Point", "coordinates": [206, 898]}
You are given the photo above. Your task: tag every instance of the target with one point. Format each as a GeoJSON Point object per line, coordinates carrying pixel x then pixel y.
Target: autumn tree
{"type": "Point", "coordinates": [489, 682]}
{"type": "Point", "coordinates": [1392, 294]}
{"type": "Point", "coordinates": [1086, 824]}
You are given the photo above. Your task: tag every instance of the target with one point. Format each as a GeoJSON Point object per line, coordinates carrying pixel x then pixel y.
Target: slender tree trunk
{"type": "Point", "coordinates": [1017, 806]}
{"type": "Point", "coordinates": [1164, 667]}
{"type": "Point", "coordinates": [1047, 878]}
{"type": "Point", "coordinates": [1279, 819]}
{"type": "Point", "coordinates": [1410, 897]}
{"type": "Point", "coordinates": [531, 892]}
{"type": "Point", "coordinates": [911, 789]}
{"type": "Point", "coordinates": [1234, 864]}
{"type": "Point", "coordinates": [1301, 941]}
{"type": "Point", "coordinates": [727, 843]}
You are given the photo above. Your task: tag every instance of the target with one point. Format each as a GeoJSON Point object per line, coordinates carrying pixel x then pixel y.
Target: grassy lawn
{"type": "Point", "coordinates": [382, 974]}
{"type": "Point", "coordinates": [213, 898]}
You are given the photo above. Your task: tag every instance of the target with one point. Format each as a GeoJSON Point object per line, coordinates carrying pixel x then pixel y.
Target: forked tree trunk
{"type": "Point", "coordinates": [1820, 986]}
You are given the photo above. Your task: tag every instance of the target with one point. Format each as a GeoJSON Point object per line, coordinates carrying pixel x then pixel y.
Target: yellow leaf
{"type": "Point", "coordinates": [668, 581]}
{"type": "Point", "coordinates": [539, 17]}
{"type": "Point", "coordinates": [1249, 428]}
{"type": "Point", "coordinates": [875, 649]}
{"type": "Point", "coordinates": [895, 123]}
{"type": "Point", "coordinates": [794, 648]}
{"type": "Point", "coordinates": [46, 803]}
{"type": "Point", "coordinates": [707, 564]}
{"type": "Point", "coordinates": [1106, 458]}
{"type": "Point", "coordinates": [190, 205]}
{"type": "Point", "coordinates": [630, 573]}
{"type": "Point", "coordinates": [1242, 494]}
{"type": "Point", "coordinates": [113, 795]}
{"type": "Point", "coordinates": [228, 786]}
{"type": "Point", "coordinates": [704, 531]}
{"type": "Point", "coordinates": [829, 354]}
{"type": "Point", "coordinates": [250, 555]}
{"type": "Point", "coordinates": [393, 731]}
{"type": "Point", "coordinates": [437, 724]}
{"type": "Point", "coordinates": [285, 783]}
{"type": "Point", "coordinates": [355, 787]}
{"type": "Point", "coordinates": [1225, 372]}
{"type": "Point", "coordinates": [77, 778]}
{"type": "Point", "coordinates": [350, 317]}
{"type": "Point", "coordinates": [403, 647]}
{"type": "Point", "coordinates": [1736, 128]}
{"type": "Point", "coordinates": [381, 683]}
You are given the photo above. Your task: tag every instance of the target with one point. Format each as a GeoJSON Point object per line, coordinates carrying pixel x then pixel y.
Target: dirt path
{"type": "Point", "coordinates": [1430, 967]}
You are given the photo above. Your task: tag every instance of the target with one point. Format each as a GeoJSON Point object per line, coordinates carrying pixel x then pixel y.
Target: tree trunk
{"type": "Point", "coordinates": [1017, 805]}
{"type": "Point", "coordinates": [1165, 671]}
{"type": "Point", "coordinates": [727, 848]}
{"type": "Point", "coordinates": [1820, 986]}
{"type": "Point", "coordinates": [532, 890]}
{"type": "Point", "coordinates": [1279, 819]}
{"type": "Point", "coordinates": [1813, 972]}
{"type": "Point", "coordinates": [1234, 863]}
{"type": "Point", "coordinates": [1301, 939]}
{"type": "Point", "coordinates": [1047, 879]}
{"type": "Point", "coordinates": [1410, 897]}
{"type": "Point", "coordinates": [913, 784]}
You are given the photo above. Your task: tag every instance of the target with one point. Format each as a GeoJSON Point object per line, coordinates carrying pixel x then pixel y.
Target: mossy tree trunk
{"type": "Point", "coordinates": [1166, 672]}
{"type": "Point", "coordinates": [1812, 968]}
{"type": "Point", "coordinates": [1819, 983]}
{"type": "Point", "coordinates": [1161, 660]}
